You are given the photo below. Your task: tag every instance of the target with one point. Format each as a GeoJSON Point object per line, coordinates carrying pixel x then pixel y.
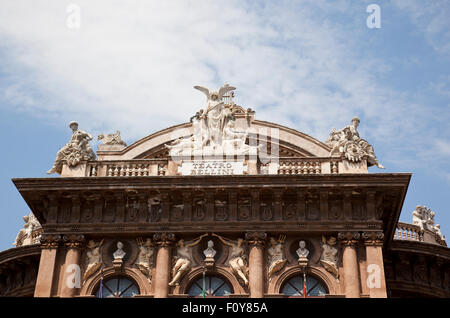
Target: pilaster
{"type": "Point", "coordinates": [256, 241]}
{"type": "Point", "coordinates": [164, 242]}
{"type": "Point", "coordinates": [349, 240]}
{"type": "Point", "coordinates": [46, 273]}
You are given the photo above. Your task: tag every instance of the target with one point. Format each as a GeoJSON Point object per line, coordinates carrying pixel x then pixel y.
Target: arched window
{"type": "Point", "coordinates": [213, 286]}
{"type": "Point", "coordinates": [117, 287]}
{"type": "Point", "coordinates": [294, 287]}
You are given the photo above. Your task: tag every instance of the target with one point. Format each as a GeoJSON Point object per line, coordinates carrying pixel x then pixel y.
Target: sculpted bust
{"type": "Point", "coordinates": [210, 252]}
{"type": "Point", "coordinates": [302, 252]}
{"type": "Point", "coordinates": [119, 253]}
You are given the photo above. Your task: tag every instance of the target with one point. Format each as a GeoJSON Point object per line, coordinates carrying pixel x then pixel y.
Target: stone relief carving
{"type": "Point", "coordinates": [112, 139]}
{"type": "Point", "coordinates": [237, 258]}
{"type": "Point", "coordinates": [76, 150]}
{"type": "Point", "coordinates": [221, 210]}
{"type": "Point", "coordinates": [328, 259]}
{"type": "Point", "coordinates": [244, 208]}
{"type": "Point", "coordinates": [144, 260]}
{"type": "Point", "coordinates": [214, 130]}
{"type": "Point", "coordinates": [199, 209]}
{"type": "Point", "coordinates": [275, 255]}
{"type": "Point", "coordinates": [290, 211]}
{"type": "Point", "coordinates": [266, 211]}
{"type": "Point", "coordinates": [154, 205]}
{"type": "Point", "coordinates": [183, 259]}
{"type": "Point", "coordinates": [347, 142]}
{"type": "Point", "coordinates": [177, 212]}
{"type": "Point", "coordinates": [25, 235]}
{"type": "Point", "coordinates": [93, 258]}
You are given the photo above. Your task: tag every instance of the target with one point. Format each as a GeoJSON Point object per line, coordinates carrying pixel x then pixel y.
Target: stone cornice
{"type": "Point", "coordinates": [19, 252]}
{"type": "Point", "coordinates": [420, 248]}
{"type": "Point", "coordinates": [183, 182]}
{"type": "Point", "coordinates": [51, 195]}
{"type": "Point", "coordinates": [312, 227]}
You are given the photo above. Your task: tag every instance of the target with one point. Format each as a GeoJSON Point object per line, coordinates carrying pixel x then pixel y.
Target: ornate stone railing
{"type": "Point", "coordinates": [308, 166]}
{"type": "Point", "coordinates": [408, 232]}
{"type": "Point", "coordinates": [128, 168]}
{"type": "Point", "coordinates": [167, 167]}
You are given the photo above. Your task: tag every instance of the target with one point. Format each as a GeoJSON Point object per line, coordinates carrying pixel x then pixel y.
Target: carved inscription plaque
{"type": "Point", "coordinates": [216, 167]}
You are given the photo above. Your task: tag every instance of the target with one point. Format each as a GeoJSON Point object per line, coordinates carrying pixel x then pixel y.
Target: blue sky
{"type": "Point", "coordinates": [310, 65]}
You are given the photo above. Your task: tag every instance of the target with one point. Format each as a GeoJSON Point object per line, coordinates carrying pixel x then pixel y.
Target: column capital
{"type": "Point", "coordinates": [48, 240]}
{"type": "Point", "coordinates": [256, 238]}
{"type": "Point", "coordinates": [164, 239]}
{"type": "Point", "coordinates": [373, 238]}
{"type": "Point", "coordinates": [74, 240]}
{"type": "Point", "coordinates": [349, 238]}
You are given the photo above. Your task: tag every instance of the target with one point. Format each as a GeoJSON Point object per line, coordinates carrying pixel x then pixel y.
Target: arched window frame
{"type": "Point", "coordinates": [130, 283]}
{"type": "Point", "coordinates": [299, 286]}
{"type": "Point", "coordinates": [209, 278]}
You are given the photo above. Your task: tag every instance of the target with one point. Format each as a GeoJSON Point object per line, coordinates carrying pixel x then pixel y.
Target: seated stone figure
{"type": "Point", "coordinates": [76, 150]}
{"type": "Point", "coordinates": [347, 142]}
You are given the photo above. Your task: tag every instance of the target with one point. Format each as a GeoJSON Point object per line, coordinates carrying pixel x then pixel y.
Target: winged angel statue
{"type": "Point", "coordinates": [213, 128]}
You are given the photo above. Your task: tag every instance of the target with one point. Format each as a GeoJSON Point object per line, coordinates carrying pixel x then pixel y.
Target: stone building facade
{"type": "Point", "coordinates": [228, 206]}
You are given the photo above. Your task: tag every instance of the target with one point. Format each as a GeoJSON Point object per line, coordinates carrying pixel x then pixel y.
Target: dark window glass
{"type": "Point", "coordinates": [294, 287]}
{"type": "Point", "coordinates": [213, 285]}
{"type": "Point", "coordinates": [118, 287]}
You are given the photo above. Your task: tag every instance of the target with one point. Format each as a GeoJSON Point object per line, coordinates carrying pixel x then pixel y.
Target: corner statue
{"type": "Point", "coordinates": [76, 150]}
{"type": "Point", "coordinates": [347, 142]}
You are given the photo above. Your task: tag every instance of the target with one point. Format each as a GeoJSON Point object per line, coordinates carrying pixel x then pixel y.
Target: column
{"type": "Point", "coordinates": [349, 241]}
{"type": "Point", "coordinates": [162, 269]}
{"type": "Point", "coordinates": [256, 242]}
{"type": "Point", "coordinates": [71, 282]}
{"type": "Point", "coordinates": [376, 281]}
{"type": "Point", "coordinates": [46, 273]}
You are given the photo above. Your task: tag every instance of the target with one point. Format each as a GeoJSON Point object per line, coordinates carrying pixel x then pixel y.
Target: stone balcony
{"type": "Point", "coordinates": [167, 167]}
{"type": "Point", "coordinates": [410, 232]}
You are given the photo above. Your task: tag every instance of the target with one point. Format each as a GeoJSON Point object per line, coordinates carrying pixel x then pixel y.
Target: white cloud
{"type": "Point", "coordinates": [431, 19]}
{"type": "Point", "coordinates": [443, 147]}
{"type": "Point", "coordinates": [131, 66]}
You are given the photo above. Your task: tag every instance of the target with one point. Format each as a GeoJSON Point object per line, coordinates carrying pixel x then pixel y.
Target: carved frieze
{"type": "Point", "coordinates": [172, 210]}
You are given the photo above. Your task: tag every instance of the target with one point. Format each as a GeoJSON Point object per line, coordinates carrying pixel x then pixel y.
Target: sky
{"type": "Point", "coordinates": [310, 65]}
